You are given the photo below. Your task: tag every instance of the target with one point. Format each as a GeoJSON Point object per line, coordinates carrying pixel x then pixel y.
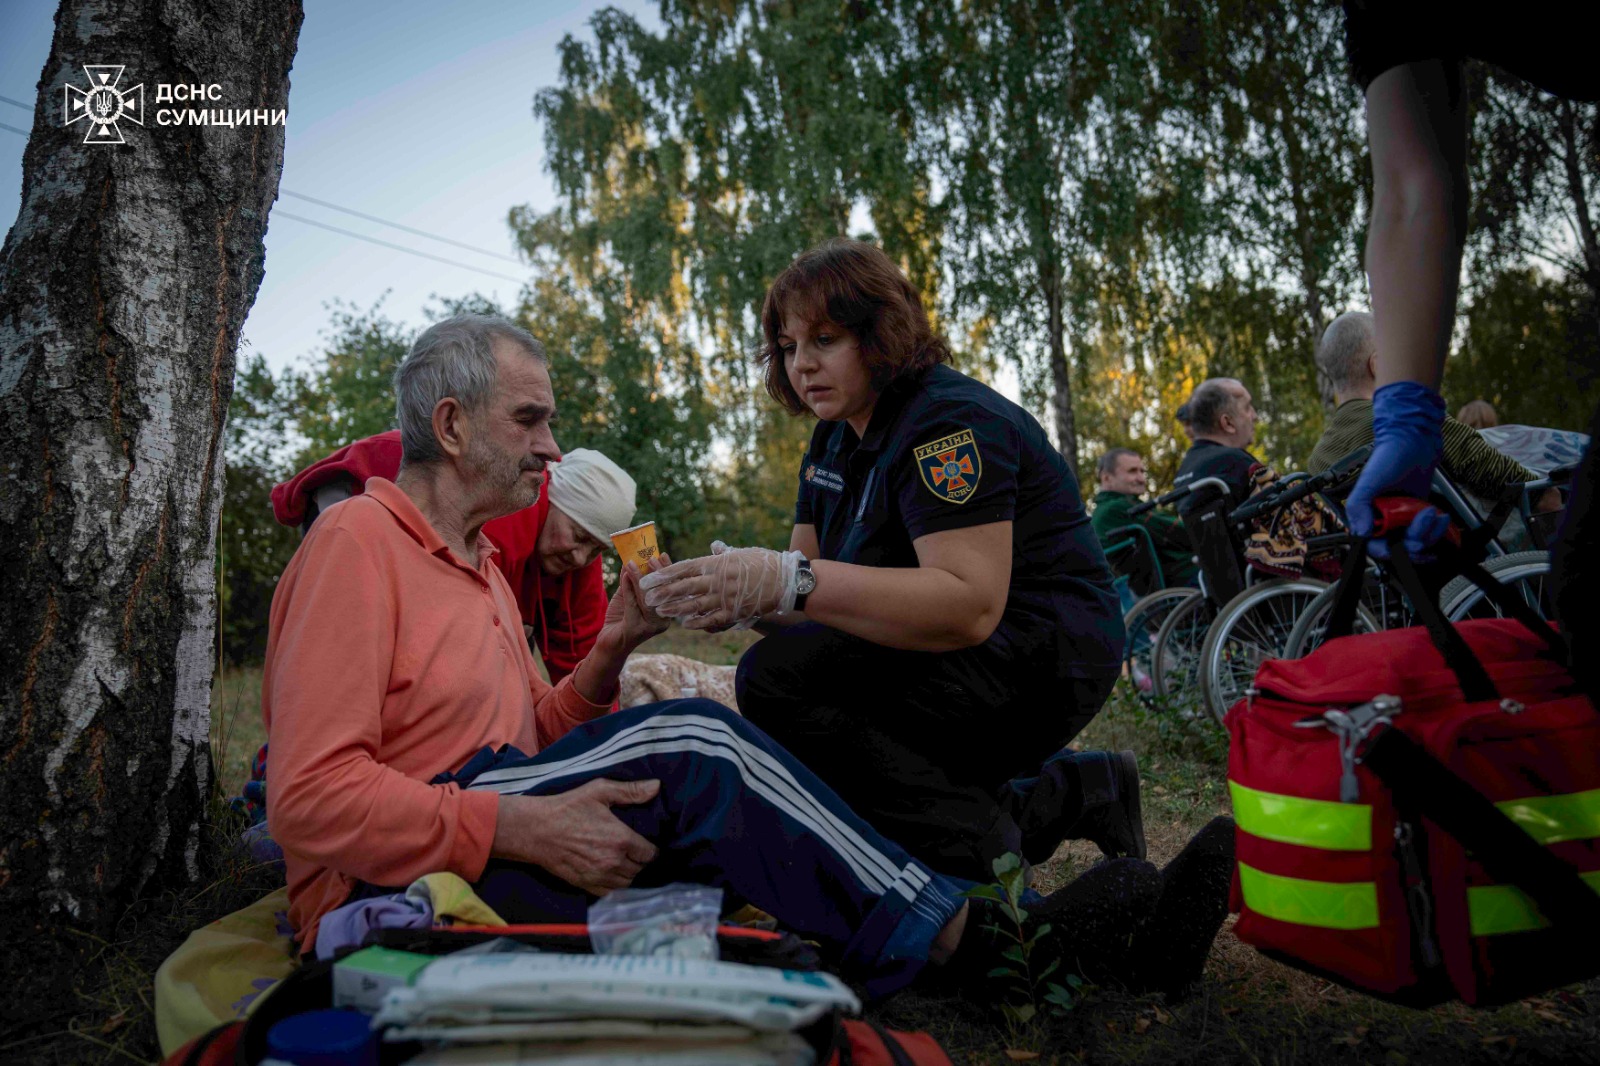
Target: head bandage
{"type": "Point", "coordinates": [593, 491]}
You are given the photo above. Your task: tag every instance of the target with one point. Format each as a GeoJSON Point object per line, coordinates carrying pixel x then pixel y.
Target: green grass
{"type": "Point", "coordinates": [237, 731]}
{"type": "Point", "coordinates": [1248, 1010]}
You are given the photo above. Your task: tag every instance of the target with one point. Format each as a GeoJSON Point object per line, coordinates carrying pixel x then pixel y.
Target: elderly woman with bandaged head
{"type": "Point", "coordinates": [943, 619]}
{"type": "Point", "coordinates": [590, 498]}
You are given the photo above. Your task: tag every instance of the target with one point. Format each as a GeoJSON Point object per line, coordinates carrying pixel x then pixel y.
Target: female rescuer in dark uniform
{"type": "Point", "coordinates": [944, 621]}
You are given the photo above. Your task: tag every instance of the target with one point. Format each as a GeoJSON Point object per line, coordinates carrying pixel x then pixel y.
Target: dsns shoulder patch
{"type": "Point", "coordinates": [950, 466]}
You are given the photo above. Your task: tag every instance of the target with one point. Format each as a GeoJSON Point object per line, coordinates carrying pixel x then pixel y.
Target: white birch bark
{"type": "Point", "coordinates": [123, 288]}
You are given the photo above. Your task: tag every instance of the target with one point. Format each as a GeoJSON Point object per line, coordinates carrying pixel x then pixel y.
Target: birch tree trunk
{"type": "Point", "coordinates": [123, 287]}
{"type": "Point", "coordinates": [1060, 372]}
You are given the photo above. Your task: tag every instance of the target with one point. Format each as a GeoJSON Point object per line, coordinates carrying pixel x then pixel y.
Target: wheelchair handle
{"type": "Point", "coordinates": [1212, 482]}
{"type": "Point", "coordinates": [1175, 494]}
{"type": "Point", "coordinates": [1327, 542]}
{"type": "Point", "coordinates": [1271, 500]}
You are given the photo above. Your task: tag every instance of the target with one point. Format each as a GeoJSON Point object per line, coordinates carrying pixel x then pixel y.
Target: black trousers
{"type": "Point", "coordinates": [921, 744]}
{"type": "Point", "coordinates": [1575, 565]}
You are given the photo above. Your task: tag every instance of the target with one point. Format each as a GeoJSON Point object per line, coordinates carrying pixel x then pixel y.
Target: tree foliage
{"type": "Point", "coordinates": [1530, 347]}
{"type": "Point", "coordinates": [1075, 187]}
{"type": "Point", "coordinates": [627, 385]}
{"type": "Point", "coordinates": [253, 548]}
{"type": "Point", "coordinates": [1108, 201]}
{"type": "Point", "coordinates": [693, 166]}
{"type": "Point", "coordinates": [347, 393]}
{"type": "Point", "coordinates": [1536, 182]}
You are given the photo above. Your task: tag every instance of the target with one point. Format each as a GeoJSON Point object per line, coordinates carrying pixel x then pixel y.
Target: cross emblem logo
{"type": "Point", "coordinates": [104, 105]}
{"type": "Point", "coordinates": [950, 466]}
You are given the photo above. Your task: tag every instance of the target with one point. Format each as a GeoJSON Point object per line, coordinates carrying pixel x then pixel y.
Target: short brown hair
{"type": "Point", "coordinates": [1479, 414]}
{"type": "Point", "coordinates": [855, 285]}
{"type": "Point", "coordinates": [1111, 460]}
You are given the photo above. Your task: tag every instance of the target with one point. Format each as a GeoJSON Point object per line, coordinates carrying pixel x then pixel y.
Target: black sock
{"type": "Point", "coordinates": [1193, 906]}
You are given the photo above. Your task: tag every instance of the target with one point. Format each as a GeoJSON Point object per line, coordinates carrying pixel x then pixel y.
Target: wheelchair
{"type": "Point", "coordinates": [1213, 638]}
{"type": "Point", "coordinates": [1131, 551]}
{"type": "Point", "coordinates": [1383, 603]}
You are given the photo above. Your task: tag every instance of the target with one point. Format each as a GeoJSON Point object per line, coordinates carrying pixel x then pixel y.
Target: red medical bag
{"type": "Point", "coordinates": [1419, 809]}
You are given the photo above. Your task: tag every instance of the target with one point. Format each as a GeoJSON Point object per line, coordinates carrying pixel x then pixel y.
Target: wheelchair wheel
{"type": "Point", "coordinates": [1379, 600]}
{"type": "Point", "coordinates": [1250, 628]}
{"type": "Point", "coordinates": [1143, 623]}
{"type": "Point", "coordinates": [1527, 572]}
{"type": "Point", "coordinates": [1175, 666]}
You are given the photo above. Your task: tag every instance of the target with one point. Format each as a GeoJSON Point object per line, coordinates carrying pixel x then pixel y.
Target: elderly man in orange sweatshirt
{"type": "Point", "coordinates": [411, 733]}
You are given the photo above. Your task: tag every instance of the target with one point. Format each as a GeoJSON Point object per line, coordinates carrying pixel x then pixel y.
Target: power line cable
{"type": "Point", "coordinates": [373, 240]}
{"type": "Point", "coordinates": [336, 207]}
{"type": "Point", "coordinates": [281, 213]}
{"type": "Point", "coordinates": [398, 225]}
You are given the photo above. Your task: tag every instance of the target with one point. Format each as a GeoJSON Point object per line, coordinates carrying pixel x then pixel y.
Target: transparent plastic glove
{"type": "Point", "coordinates": [729, 589]}
{"type": "Point", "coordinates": [1408, 438]}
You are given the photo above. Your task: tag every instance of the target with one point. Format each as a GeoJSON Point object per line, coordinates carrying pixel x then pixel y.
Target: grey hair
{"type": "Point", "coordinates": [1108, 462]}
{"type": "Point", "coordinates": [454, 358]}
{"type": "Point", "coordinates": [1346, 345]}
{"type": "Point", "coordinates": [1207, 404]}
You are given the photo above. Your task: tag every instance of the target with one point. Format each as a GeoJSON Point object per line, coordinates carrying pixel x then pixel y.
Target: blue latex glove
{"type": "Point", "coordinates": [1408, 438]}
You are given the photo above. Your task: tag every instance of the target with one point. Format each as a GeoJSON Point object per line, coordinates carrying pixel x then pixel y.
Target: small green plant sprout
{"type": "Point", "coordinates": [1022, 958]}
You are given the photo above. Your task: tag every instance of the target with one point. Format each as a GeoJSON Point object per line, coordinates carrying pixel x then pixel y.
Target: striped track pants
{"type": "Point", "coordinates": [735, 811]}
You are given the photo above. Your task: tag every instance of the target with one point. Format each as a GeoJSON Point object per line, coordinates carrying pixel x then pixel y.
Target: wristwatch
{"type": "Point", "coordinates": [804, 582]}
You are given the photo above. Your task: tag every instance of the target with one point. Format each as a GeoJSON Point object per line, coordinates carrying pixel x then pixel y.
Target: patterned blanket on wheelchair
{"type": "Point", "coordinates": [1276, 544]}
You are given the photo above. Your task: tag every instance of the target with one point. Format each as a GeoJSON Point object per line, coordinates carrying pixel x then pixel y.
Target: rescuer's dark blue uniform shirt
{"type": "Point", "coordinates": [942, 452]}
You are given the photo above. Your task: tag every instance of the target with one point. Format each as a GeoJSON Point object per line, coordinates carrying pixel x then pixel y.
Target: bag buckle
{"type": "Point", "coordinates": [1353, 727]}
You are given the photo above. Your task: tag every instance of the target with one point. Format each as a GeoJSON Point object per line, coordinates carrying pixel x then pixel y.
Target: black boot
{"type": "Point", "coordinates": [1091, 795]}
{"type": "Point", "coordinates": [1095, 924]}
{"type": "Point", "coordinates": [1174, 945]}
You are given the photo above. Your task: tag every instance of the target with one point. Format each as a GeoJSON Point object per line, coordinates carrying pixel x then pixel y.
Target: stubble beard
{"type": "Point", "coordinates": [502, 473]}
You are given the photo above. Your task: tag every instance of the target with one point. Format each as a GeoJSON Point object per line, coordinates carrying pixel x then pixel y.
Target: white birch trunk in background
{"type": "Point", "coordinates": [123, 287]}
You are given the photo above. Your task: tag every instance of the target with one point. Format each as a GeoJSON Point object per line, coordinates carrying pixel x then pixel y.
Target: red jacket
{"type": "Point", "coordinates": [566, 612]}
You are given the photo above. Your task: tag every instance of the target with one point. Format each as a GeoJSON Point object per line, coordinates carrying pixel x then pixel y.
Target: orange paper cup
{"type": "Point", "coordinates": [637, 543]}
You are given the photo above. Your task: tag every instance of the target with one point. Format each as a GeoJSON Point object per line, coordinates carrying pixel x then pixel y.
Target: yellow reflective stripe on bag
{"type": "Point", "coordinates": [1552, 819]}
{"type": "Point", "coordinates": [1311, 823]}
{"type": "Point", "coordinates": [1325, 904]}
{"type": "Point", "coordinates": [1496, 909]}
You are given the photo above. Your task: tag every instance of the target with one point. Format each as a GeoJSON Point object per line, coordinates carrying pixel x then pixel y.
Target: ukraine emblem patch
{"type": "Point", "coordinates": [950, 466]}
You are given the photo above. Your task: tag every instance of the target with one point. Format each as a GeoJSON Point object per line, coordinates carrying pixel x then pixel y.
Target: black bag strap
{"type": "Point", "coordinates": [1474, 541]}
{"type": "Point", "coordinates": [891, 1044]}
{"type": "Point", "coordinates": [1473, 678]}
{"type": "Point", "coordinates": [1421, 782]}
{"type": "Point", "coordinates": [1505, 598]}
{"type": "Point", "coordinates": [1342, 619]}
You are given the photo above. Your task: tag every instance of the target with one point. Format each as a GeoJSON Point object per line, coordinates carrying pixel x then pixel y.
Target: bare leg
{"type": "Point", "coordinates": [944, 945]}
{"type": "Point", "coordinates": [1416, 125]}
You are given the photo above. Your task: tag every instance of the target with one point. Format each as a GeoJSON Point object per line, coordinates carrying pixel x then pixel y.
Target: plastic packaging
{"type": "Point", "coordinates": [675, 921]}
